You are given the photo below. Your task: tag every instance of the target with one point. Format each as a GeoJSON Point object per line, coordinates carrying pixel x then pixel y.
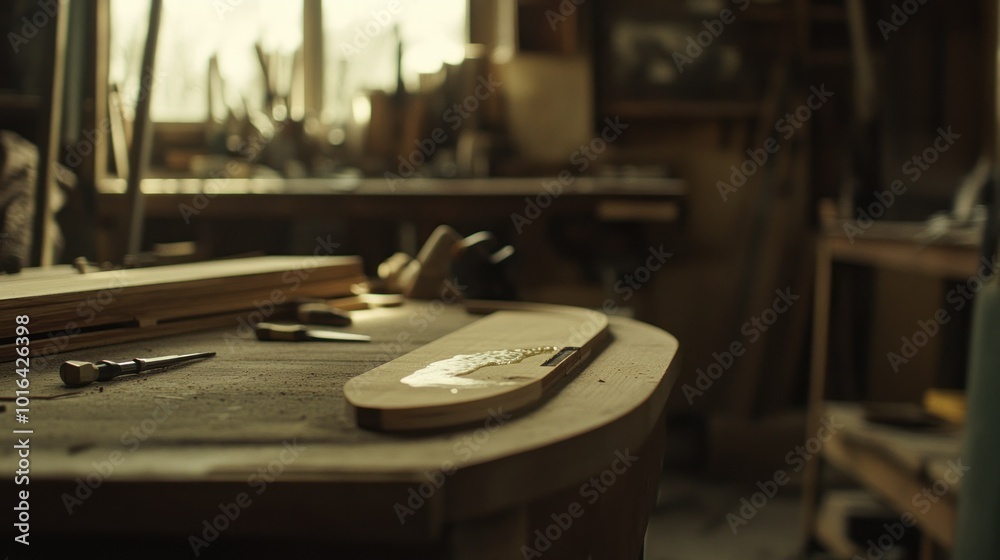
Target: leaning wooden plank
{"type": "Point", "coordinates": [118, 306]}
{"type": "Point", "coordinates": [13, 288]}
{"type": "Point", "coordinates": [46, 353]}
{"type": "Point", "coordinates": [504, 362]}
{"type": "Point", "coordinates": [63, 306]}
{"type": "Point", "coordinates": [110, 297]}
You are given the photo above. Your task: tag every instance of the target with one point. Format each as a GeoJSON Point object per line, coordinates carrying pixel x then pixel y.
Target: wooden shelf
{"type": "Point", "coordinates": [892, 246]}
{"type": "Point", "coordinates": [424, 187]}
{"type": "Point", "coordinates": [840, 509]}
{"type": "Point", "coordinates": [897, 465]}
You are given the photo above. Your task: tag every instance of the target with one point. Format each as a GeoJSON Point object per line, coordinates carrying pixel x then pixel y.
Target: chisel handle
{"type": "Point", "coordinates": [284, 333]}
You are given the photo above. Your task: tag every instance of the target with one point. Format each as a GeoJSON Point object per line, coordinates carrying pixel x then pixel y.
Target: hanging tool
{"type": "Point", "coordinates": [78, 374]}
{"type": "Point", "coordinates": [299, 333]}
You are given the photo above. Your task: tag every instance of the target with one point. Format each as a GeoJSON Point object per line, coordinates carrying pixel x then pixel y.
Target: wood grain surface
{"type": "Point", "coordinates": [80, 310]}
{"type": "Point", "coordinates": [506, 361]}
{"type": "Point", "coordinates": [190, 438]}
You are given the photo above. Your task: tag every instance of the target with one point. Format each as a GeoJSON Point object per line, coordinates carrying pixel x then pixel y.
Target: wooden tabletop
{"type": "Point", "coordinates": [185, 440]}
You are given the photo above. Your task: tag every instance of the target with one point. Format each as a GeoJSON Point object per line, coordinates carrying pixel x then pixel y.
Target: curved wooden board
{"type": "Point", "coordinates": [509, 360]}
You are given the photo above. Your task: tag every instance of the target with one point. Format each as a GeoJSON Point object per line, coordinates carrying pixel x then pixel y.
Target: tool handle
{"type": "Point", "coordinates": [108, 370]}
{"type": "Point", "coordinates": [286, 333]}
{"type": "Point", "coordinates": [322, 314]}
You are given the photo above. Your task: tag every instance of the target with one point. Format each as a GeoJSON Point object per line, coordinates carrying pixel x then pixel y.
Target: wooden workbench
{"type": "Point", "coordinates": [266, 423]}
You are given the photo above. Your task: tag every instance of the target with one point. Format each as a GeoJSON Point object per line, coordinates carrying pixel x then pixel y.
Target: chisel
{"type": "Point", "coordinates": [78, 374]}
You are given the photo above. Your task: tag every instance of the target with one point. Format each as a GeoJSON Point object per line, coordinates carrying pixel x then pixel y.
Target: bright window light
{"type": "Point", "coordinates": [361, 42]}
{"type": "Point", "coordinates": [362, 45]}
{"type": "Point", "coordinates": [191, 32]}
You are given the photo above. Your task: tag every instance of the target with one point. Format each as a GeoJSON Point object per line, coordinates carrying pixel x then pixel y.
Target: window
{"type": "Point", "coordinates": [360, 50]}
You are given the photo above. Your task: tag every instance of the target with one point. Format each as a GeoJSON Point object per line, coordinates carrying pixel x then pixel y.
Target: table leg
{"type": "Point", "coordinates": [817, 386]}
{"type": "Point", "coordinates": [497, 537]}
{"type": "Point", "coordinates": [604, 517]}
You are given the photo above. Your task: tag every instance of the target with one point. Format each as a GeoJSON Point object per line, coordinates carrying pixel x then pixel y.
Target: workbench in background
{"type": "Point", "coordinates": [566, 249]}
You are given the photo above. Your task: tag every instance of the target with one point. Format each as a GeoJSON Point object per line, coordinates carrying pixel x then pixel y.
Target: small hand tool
{"type": "Point", "coordinates": [298, 333]}
{"type": "Point", "coordinates": [323, 314]}
{"type": "Point", "coordinates": [77, 374]}
{"type": "Point", "coordinates": [483, 267]}
{"type": "Point", "coordinates": [312, 312]}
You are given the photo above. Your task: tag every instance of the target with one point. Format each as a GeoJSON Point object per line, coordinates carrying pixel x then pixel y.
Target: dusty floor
{"type": "Point", "coordinates": [690, 523]}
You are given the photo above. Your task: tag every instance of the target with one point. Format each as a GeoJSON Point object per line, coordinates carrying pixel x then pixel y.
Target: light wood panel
{"type": "Point", "coordinates": [464, 377]}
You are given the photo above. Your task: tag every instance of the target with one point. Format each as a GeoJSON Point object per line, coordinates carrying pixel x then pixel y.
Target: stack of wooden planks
{"type": "Point", "coordinates": [68, 310]}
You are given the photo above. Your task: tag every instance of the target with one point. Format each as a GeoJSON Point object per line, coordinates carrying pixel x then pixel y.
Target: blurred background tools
{"type": "Point", "coordinates": [301, 333]}
{"type": "Point", "coordinates": [478, 264]}
{"type": "Point", "coordinates": [78, 374]}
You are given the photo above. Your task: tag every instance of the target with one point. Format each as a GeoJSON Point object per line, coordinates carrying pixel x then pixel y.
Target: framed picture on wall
{"type": "Point", "coordinates": [684, 59]}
